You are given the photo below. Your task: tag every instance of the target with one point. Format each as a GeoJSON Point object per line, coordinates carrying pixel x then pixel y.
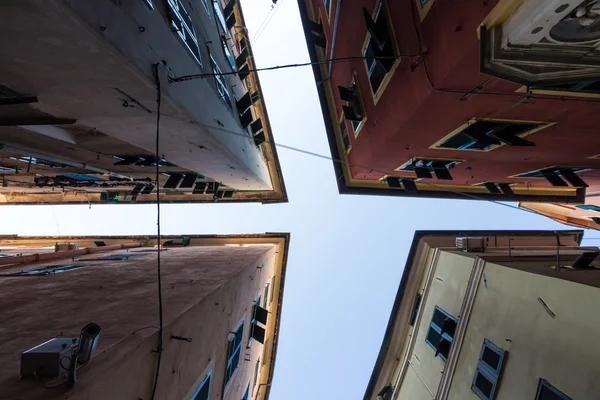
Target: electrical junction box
{"type": "Point", "coordinates": [44, 360]}
{"type": "Point", "coordinates": [469, 244]}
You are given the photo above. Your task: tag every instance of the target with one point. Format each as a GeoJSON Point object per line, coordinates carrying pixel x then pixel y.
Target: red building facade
{"type": "Point", "coordinates": [409, 112]}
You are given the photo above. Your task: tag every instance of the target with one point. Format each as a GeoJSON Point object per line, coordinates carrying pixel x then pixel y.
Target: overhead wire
{"type": "Point", "coordinates": [259, 33]}
{"type": "Point", "coordinates": [159, 348]}
{"type": "Point", "coordinates": [263, 21]}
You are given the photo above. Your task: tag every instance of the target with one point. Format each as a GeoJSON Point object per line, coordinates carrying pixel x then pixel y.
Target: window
{"type": "Point", "coordinates": [234, 347]}
{"type": "Point", "coordinates": [228, 54]}
{"type": "Point", "coordinates": [353, 110]}
{"type": "Point", "coordinates": [441, 332]}
{"type": "Point", "coordinates": [379, 51]}
{"type": "Point", "coordinates": [483, 135]}
{"type": "Point", "coordinates": [205, 3]}
{"type": "Point", "coordinates": [203, 392]}
{"type": "Point", "coordinates": [221, 83]}
{"type": "Point", "coordinates": [220, 16]}
{"type": "Point", "coordinates": [580, 87]}
{"type": "Point", "coordinates": [426, 168]}
{"type": "Point", "coordinates": [488, 371]}
{"type": "Point", "coordinates": [345, 138]}
{"type": "Point", "coordinates": [182, 25]}
{"type": "Point", "coordinates": [53, 269]}
{"type": "Point", "coordinates": [546, 391]}
{"type": "Point", "coordinates": [423, 2]}
{"type": "Point", "coordinates": [538, 173]}
{"type": "Point", "coordinates": [266, 298]}
{"type": "Point", "coordinates": [247, 392]}
{"type": "Point", "coordinates": [149, 4]}
{"type": "Point", "coordinates": [589, 207]}
{"type": "Point", "coordinates": [555, 175]}
{"type": "Point", "coordinates": [259, 317]}
{"type": "Point", "coordinates": [327, 4]}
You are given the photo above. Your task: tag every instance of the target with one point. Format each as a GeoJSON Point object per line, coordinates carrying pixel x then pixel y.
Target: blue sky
{"type": "Point", "coordinates": [347, 252]}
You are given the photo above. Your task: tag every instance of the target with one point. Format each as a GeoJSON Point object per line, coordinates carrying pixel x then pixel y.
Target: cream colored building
{"type": "Point", "coordinates": [493, 315]}
{"type": "Point", "coordinates": [221, 308]}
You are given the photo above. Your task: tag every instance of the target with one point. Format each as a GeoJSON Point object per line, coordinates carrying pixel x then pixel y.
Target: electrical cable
{"type": "Point", "coordinates": [339, 59]}
{"type": "Point", "coordinates": [159, 348]}
{"type": "Point", "coordinates": [263, 21]}
{"type": "Point", "coordinates": [259, 33]}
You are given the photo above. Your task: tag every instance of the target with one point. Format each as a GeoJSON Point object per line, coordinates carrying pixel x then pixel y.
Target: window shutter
{"type": "Point", "coordinates": [442, 173]}
{"type": "Point", "coordinates": [492, 188]}
{"type": "Point", "coordinates": [148, 189]}
{"type": "Point", "coordinates": [212, 187]}
{"type": "Point", "coordinates": [173, 181]}
{"type": "Point", "coordinates": [351, 114]}
{"type": "Point", "coordinates": [241, 59]}
{"type": "Point", "coordinates": [393, 182]}
{"type": "Point", "coordinates": [229, 8]}
{"type": "Point", "coordinates": [551, 177]}
{"type": "Point", "coordinates": [246, 118]}
{"type": "Point", "coordinates": [378, 37]}
{"type": "Point", "coordinates": [346, 94]}
{"type": "Point", "coordinates": [258, 333]}
{"type": "Point", "coordinates": [244, 72]}
{"type": "Point", "coordinates": [423, 172]}
{"type": "Point", "coordinates": [231, 21]}
{"type": "Point", "coordinates": [573, 178]}
{"type": "Point", "coordinates": [259, 138]}
{"type": "Point", "coordinates": [200, 188]}
{"type": "Point", "coordinates": [188, 181]}
{"type": "Point", "coordinates": [243, 103]}
{"type": "Point", "coordinates": [585, 259]}
{"type": "Point", "coordinates": [259, 314]}
{"type": "Point", "coordinates": [256, 125]}
{"type": "Point", "coordinates": [409, 185]}
{"type": "Point", "coordinates": [137, 189]}
{"type": "Point", "coordinates": [506, 189]}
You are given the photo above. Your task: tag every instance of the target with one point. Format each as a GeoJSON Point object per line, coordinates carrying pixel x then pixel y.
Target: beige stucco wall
{"type": "Point", "coordinates": [448, 285]}
{"type": "Point", "coordinates": [206, 292]}
{"type": "Point", "coordinates": [563, 350]}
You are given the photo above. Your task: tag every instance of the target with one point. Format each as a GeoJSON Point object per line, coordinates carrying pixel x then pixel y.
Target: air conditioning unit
{"type": "Point", "coordinates": [470, 244]}
{"type": "Point", "coordinates": [554, 22]}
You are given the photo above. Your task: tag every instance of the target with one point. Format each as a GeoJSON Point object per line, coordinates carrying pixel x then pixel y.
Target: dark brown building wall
{"type": "Point", "coordinates": [207, 291]}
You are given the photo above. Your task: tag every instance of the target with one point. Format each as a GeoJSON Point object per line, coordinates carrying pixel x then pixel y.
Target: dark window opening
{"type": "Point", "coordinates": [415, 312]}
{"type": "Point", "coordinates": [589, 207]}
{"type": "Point", "coordinates": [353, 110]}
{"type": "Point", "coordinates": [483, 135]}
{"type": "Point", "coordinates": [548, 392]}
{"type": "Point", "coordinates": [579, 87]}
{"type": "Point", "coordinates": [181, 23]}
{"type": "Point", "coordinates": [441, 332]}
{"type": "Point", "coordinates": [426, 168]}
{"type": "Point", "coordinates": [53, 269]}
{"type": "Point", "coordinates": [345, 137]}
{"type": "Point", "coordinates": [203, 392]}
{"type": "Point", "coordinates": [120, 256]}
{"type": "Point", "coordinates": [558, 176]}
{"type": "Point", "coordinates": [234, 346]}
{"type": "Point", "coordinates": [221, 82]}
{"type": "Point", "coordinates": [489, 367]}
{"type": "Point", "coordinates": [379, 52]}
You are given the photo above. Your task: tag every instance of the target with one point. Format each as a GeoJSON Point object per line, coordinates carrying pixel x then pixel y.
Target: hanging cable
{"type": "Point", "coordinates": [159, 348]}
{"type": "Point", "coordinates": [260, 32]}
{"type": "Point", "coordinates": [339, 59]}
{"type": "Point", "coordinates": [263, 22]}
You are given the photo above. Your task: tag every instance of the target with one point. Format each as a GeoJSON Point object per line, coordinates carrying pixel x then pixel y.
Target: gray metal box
{"type": "Point", "coordinates": [43, 360]}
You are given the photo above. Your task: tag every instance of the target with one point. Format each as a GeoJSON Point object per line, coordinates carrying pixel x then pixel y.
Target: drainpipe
{"type": "Point", "coordinates": [335, 28]}
{"type": "Point", "coordinates": [259, 385]}
{"type": "Point", "coordinates": [30, 258]}
{"type": "Point", "coordinates": [73, 164]}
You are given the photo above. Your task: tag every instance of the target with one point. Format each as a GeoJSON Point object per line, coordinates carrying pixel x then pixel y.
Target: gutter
{"type": "Point", "coordinates": [31, 258]}
{"type": "Point", "coordinates": [335, 28]}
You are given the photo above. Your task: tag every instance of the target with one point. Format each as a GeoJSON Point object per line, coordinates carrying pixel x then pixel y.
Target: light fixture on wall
{"type": "Point", "coordinates": [83, 352]}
